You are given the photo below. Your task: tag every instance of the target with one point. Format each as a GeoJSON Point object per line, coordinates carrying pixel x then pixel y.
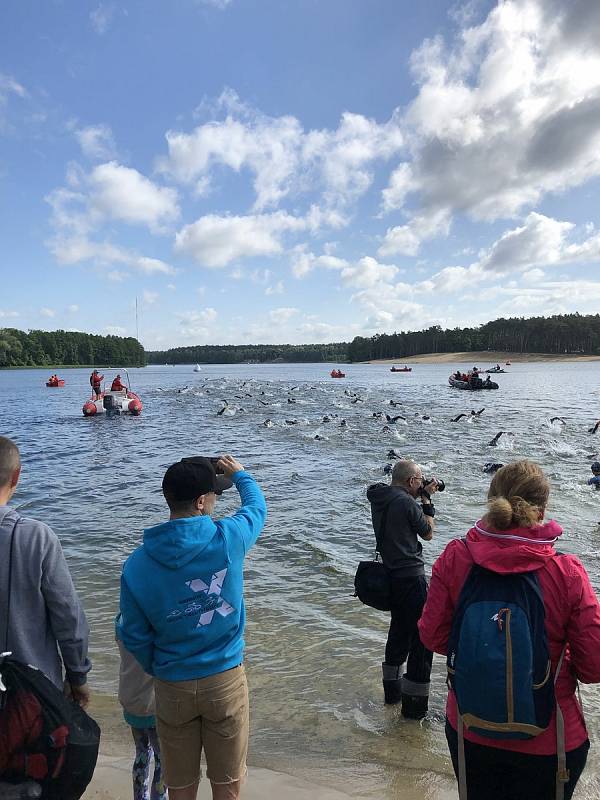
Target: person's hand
{"type": "Point", "coordinates": [229, 465]}
{"type": "Point", "coordinates": [80, 694]}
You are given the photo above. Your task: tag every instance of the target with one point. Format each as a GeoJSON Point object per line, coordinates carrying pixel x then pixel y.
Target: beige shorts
{"type": "Point", "coordinates": [208, 713]}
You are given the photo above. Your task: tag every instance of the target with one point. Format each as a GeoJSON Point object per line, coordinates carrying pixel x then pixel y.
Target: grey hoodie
{"type": "Point", "coordinates": [46, 615]}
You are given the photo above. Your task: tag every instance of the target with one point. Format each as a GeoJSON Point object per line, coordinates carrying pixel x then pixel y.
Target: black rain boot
{"type": "Point", "coordinates": [415, 699]}
{"type": "Point", "coordinates": [392, 683]}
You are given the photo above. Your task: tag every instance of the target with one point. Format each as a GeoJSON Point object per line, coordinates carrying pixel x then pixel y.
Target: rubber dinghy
{"type": "Point", "coordinates": [472, 385]}
{"type": "Point", "coordinates": [112, 403]}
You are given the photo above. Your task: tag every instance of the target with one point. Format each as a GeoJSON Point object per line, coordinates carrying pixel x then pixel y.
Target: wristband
{"type": "Point", "coordinates": [429, 510]}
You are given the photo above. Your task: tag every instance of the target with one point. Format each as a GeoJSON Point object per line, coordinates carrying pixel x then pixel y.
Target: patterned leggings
{"type": "Point", "coordinates": [146, 741]}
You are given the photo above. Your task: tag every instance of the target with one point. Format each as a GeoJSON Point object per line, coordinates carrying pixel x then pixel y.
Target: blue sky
{"type": "Point", "coordinates": [296, 170]}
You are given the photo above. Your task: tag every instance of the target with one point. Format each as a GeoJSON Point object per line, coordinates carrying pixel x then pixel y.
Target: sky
{"type": "Point", "coordinates": [270, 171]}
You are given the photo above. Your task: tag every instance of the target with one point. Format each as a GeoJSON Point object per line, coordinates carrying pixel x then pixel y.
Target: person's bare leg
{"type": "Point", "coordinates": [222, 791]}
{"type": "Point", "coordinates": [189, 793]}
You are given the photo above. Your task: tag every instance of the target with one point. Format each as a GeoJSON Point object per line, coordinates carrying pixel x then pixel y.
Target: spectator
{"type": "Point", "coordinates": [188, 631]}
{"type": "Point", "coordinates": [47, 626]}
{"type": "Point", "coordinates": [512, 538]}
{"type": "Point", "coordinates": [398, 521]}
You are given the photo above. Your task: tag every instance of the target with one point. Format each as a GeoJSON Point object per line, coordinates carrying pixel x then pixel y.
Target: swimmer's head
{"type": "Point", "coordinates": [596, 467]}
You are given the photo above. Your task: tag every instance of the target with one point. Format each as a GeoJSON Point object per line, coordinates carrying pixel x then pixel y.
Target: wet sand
{"type": "Point", "coordinates": [484, 358]}
{"type": "Point", "coordinates": [305, 781]}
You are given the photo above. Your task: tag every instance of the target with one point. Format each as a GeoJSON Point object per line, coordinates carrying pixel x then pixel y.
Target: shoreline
{"type": "Point", "coordinates": [295, 778]}
{"type": "Point", "coordinates": [485, 358]}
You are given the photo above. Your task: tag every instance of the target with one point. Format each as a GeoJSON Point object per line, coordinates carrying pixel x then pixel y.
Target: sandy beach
{"type": "Point", "coordinates": [484, 358]}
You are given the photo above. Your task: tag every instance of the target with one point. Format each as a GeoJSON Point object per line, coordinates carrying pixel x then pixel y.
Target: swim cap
{"type": "Point", "coordinates": [596, 466]}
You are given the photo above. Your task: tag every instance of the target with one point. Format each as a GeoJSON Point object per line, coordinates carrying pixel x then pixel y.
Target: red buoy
{"type": "Point", "coordinates": [89, 409]}
{"type": "Point", "coordinates": [135, 406]}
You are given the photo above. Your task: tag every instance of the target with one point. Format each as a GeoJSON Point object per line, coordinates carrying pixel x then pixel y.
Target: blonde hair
{"type": "Point", "coordinates": [517, 496]}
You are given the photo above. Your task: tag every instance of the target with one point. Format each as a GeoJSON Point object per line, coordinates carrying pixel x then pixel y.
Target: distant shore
{"type": "Point", "coordinates": [484, 358]}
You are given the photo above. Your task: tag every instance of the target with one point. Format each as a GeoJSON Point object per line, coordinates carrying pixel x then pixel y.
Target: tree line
{"type": "Point", "coordinates": [54, 348]}
{"type": "Point", "coordinates": [560, 334]}
{"type": "Point", "coordinates": [251, 353]}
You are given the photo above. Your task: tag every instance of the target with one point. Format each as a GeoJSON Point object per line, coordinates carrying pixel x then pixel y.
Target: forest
{"type": "Point", "coordinates": [67, 348]}
{"type": "Point", "coordinates": [560, 335]}
{"type": "Point", "coordinates": [251, 353]}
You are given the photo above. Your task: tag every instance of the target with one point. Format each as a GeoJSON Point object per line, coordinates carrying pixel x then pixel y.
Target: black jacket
{"type": "Point", "coordinates": [398, 542]}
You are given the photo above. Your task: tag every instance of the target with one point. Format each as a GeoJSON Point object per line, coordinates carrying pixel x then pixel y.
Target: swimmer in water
{"type": "Point", "coordinates": [490, 468]}
{"type": "Point", "coordinates": [557, 419]}
{"type": "Point", "coordinates": [494, 441]}
{"type": "Point", "coordinates": [268, 423]}
{"type": "Point", "coordinates": [595, 428]}
{"type": "Point", "coordinates": [395, 419]}
{"type": "Point", "coordinates": [595, 480]}
{"type": "Point", "coordinates": [457, 418]}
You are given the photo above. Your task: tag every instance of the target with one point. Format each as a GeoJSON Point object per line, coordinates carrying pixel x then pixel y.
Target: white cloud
{"type": "Point", "coordinates": [281, 156]}
{"type": "Point", "coordinates": [171, 287]}
{"type": "Point", "coordinates": [117, 276]}
{"type": "Point", "coordinates": [368, 272]}
{"type": "Point", "coordinates": [220, 4]}
{"type": "Point", "coordinates": [114, 330]}
{"type": "Point", "coordinates": [279, 316]}
{"type": "Point", "coordinates": [8, 314]}
{"type": "Point", "coordinates": [277, 288]}
{"type": "Point", "coordinates": [96, 142]}
{"type": "Point", "coordinates": [215, 241]}
{"type": "Point", "coordinates": [78, 249]}
{"type": "Point", "coordinates": [122, 193]}
{"type": "Point", "coordinates": [198, 324]}
{"type": "Point", "coordinates": [8, 85]}
{"type": "Point", "coordinates": [149, 298]}
{"type": "Point", "coordinates": [507, 113]}
{"type": "Point", "coordinates": [47, 312]}
{"type": "Point", "coordinates": [72, 309]}
{"type": "Point", "coordinates": [101, 17]}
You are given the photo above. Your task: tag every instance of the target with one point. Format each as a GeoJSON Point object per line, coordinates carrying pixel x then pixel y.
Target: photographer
{"type": "Point", "coordinates": [398, 521]}
{"type": "Point", "coordinates": [183, 616]}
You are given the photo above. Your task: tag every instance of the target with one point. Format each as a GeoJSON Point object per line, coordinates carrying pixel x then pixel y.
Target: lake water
{"type": "Point", "coordinates": [313, 651]}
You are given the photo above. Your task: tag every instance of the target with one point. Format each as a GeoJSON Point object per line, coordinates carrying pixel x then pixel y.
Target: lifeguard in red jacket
{"type": "Point", "coordinates": [117, 386]}
{"type": "Point", "coordinates": [96, 383]}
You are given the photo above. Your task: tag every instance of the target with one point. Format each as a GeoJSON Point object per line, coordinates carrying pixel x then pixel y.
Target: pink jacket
{"type": "Point", "coordinates": [572, 615]}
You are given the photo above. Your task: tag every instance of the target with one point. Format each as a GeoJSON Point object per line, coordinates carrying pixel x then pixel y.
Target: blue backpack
{"type": "Point", "coordinates": [498, 659]}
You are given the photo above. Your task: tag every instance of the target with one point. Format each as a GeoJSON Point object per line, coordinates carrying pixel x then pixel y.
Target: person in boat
{"type": "Point", "coordinates": [117, 385]}
{"type": "Point", "coordinates": [464, 377]}
{"type": "Point", "coordinates": [457, 375]}
{"type": "Point", "coordinates": [487, 381]}
{"type": "Point", "coordinates": [513, 538]}
{"type": "Point", "coordinates": [96, 383]}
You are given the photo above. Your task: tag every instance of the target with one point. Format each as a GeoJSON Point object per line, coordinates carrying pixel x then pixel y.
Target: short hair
{"type": "Point", "coordinates": [10, 460]}
{"type": "Point", "coordinates": [403, 471]}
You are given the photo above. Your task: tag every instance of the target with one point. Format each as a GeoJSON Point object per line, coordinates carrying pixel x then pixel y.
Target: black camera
{"type": "Point", "coordinates": [438, 481]}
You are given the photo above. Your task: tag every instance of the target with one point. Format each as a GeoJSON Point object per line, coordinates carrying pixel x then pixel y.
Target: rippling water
{"type": "Point", "coordinates": [313, 651]}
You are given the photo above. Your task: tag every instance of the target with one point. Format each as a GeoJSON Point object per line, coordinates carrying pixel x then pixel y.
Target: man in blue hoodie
{"type": "Point", "coordinates": [183, 616]}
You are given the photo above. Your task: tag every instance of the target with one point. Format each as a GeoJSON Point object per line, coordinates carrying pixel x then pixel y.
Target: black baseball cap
{"type": "Point", "coordinates": [191, 477]}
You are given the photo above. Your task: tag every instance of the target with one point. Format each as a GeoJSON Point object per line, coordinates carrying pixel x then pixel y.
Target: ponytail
{"type": "Point", "coordinates": [517, 497]}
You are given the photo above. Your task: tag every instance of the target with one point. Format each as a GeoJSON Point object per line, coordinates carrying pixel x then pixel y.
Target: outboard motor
{"type": "Point", "coordinates": [110, 405]}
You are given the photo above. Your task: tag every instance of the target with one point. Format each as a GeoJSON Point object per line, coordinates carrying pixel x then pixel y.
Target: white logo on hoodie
{"type": "Point", "coordinates": [216, 584]}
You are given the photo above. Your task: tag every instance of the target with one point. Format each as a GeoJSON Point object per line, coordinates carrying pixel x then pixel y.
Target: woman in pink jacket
{"type": "Point", "coordinates": [513, 538]}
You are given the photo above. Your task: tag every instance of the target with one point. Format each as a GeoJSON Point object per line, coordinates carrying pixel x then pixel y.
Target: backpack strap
{"type": "Point", "coordinates": [382, 526]}
{"type": "Point", "coordinates": [9, 592]}
{"type": "Point", "coordinates": [562, 773]}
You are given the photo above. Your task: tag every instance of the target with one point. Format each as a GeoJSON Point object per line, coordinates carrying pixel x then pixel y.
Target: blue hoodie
{"type": "Point", "coordinates": [182, 603]}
